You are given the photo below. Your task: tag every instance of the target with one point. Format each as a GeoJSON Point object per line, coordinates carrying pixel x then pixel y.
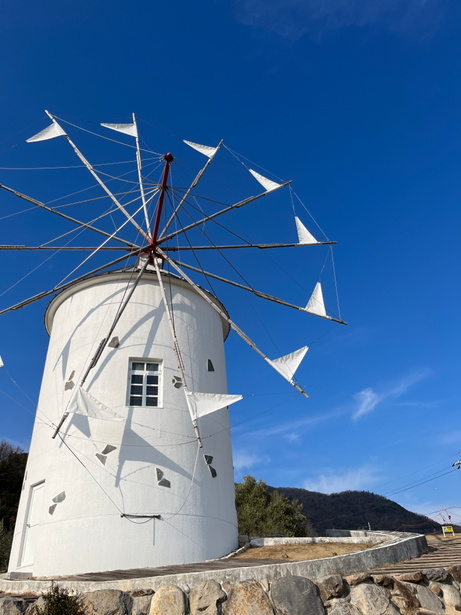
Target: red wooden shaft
{"type": "Point", "coordinates": [168, 160]}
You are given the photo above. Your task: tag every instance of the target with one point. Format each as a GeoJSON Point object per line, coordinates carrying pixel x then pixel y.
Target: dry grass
{"type": "Point", "coordinates": [297, 553]}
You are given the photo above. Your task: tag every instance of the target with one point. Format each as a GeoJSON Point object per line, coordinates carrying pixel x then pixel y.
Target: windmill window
{"type": "Point", "coordinates": [144, 383]}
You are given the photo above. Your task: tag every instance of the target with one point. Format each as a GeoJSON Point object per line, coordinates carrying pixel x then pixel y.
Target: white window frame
{"type": "Point", "coordinates": [145, 384]}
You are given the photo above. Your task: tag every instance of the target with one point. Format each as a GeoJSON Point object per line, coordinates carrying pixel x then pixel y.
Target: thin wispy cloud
{"type": "Point", "coordinates": [420, 404]}
{"type": "Point", "coordinates": [292, 19]}
{"type": "Point", "coordinates": [334, 481]}
{"type": "Point", "coordinates": [244, 460]}
{"type": "Point", "coordinates": [294, 427]}
{"type": "Point", "coordinates": [403, 385]}
{"type": "Point", "coordinates": [368, 399]}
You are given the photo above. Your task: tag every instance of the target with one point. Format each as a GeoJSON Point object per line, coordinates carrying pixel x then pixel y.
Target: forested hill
{"type": "Point", "coordinates": [355, 509]}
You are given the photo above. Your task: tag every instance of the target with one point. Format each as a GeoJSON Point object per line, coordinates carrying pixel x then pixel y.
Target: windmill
{"type": "Point", "coordinates": [130, 463]}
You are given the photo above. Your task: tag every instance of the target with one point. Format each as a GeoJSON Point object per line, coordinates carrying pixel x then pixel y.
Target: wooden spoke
{"type": "Point", "coordinates": [255, 292]}
{"type": "Point", "coordinates": [261, 246]}
{"type": "Point", "coordinates": [220, 213]}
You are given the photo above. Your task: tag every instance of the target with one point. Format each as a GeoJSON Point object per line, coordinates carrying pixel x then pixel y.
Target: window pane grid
{"type": "Point", "coordinates": [144, 383]}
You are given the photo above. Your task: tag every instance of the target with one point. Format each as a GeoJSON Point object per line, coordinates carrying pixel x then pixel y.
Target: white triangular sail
{"type": "Point", "coordinates": [316, 304]}
{"type": "Point", "coordinates": [127, 129]}
{"type": "Point", "coordinates": [87, 405]}
{"type": "Point", "coordinates": [304, 237]}
{"type": "Point", "coordinates": [287, 365]}
{"type": "Point", "coordinates": [1, 362]}
{"type": "Point", "coordinates": [201, 404]}
{"type": "Point", "coordinates": [52, 131]}
{"type": "Point", "coordinates": [203, 149]}
{"type": "Point", "coordinates": [268, 184]}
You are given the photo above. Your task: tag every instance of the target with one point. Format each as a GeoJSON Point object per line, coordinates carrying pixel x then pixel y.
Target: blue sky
{"type": "Point", "coordinates": [357, 103]}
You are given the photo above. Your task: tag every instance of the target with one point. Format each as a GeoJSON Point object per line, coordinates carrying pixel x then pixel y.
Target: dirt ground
{"type": "Point", "coordinates": [297, 553]}
{"type": "Point", "coordinates": [434, 540]}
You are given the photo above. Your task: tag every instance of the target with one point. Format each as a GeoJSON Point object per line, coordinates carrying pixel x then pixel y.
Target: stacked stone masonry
{"type": "Point", "coordinates": [434, 591]}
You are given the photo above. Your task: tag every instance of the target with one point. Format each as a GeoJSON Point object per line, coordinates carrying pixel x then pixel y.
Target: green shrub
{"type": "Point", "coordinates": [58, 601]}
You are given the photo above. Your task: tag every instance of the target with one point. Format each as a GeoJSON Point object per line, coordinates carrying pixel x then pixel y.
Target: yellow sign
{"type": "Point", "coordinates": [447, 529]}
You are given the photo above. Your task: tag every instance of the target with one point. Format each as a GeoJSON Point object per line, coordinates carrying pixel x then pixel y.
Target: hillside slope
{"type": "Point", "coordinates": [355, 509]}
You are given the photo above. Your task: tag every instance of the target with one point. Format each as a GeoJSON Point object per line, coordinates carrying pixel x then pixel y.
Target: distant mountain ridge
{"type": "Point", "coordinates": [353, 510]}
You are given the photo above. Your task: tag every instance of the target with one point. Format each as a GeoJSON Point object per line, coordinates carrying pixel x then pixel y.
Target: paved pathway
{"type": "Point", "coordinates": [141, 573]}
{"type": "Point", "coordinates": [443, 553]}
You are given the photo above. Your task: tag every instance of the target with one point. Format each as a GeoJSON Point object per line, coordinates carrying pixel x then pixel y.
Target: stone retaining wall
{"type": "Point", "coordinates": [431, 592]}
{"type": "Point", "coordinates": [355, 533]}
{"type": "Point", "coordinates": [376, 537]}
{"type": "Point", "coordinates": [398, 546]}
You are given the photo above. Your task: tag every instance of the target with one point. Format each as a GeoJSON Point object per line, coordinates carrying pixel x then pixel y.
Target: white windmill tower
{"type": "Point", "coordinates": [130, 464]}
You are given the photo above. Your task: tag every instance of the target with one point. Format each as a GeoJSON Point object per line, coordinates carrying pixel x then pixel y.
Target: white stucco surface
{"type": "Point", "coordinates": [86, 532]}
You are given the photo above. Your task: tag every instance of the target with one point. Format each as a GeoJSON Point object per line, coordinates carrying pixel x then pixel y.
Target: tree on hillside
{"type": "Point", "coordinates": [12, 467]}
{"type": "Point", "coordinates": [6, 540]}
{"type": "Point", "coordinates": [264, 513]}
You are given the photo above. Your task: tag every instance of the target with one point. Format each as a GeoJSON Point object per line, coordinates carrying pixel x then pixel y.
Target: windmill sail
{"type": "Point", "coordinates": [87, 405]}
{"type": "Point", "coordinates": [206, 150]}
{"type": "Point", "coordinates": [202, 404]}
{"type": "Point", "coordinates": [52, 131]}
{"type": "Point", "coordinates": [304, 237]}
{"type": "Point", "coordinates": [288, 364]}
{"type": "Point", "coordinates": [127, 129]}
{"type": "Point", "coordinates": [316, 304]}
{"type": "Point", "coordinates": [268, 184]}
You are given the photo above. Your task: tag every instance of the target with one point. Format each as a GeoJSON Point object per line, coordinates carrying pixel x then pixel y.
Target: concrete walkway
{"type": "Point", "coordinates": [443, 553]}
{"type": "Point", "coordinates": [143, 573]}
